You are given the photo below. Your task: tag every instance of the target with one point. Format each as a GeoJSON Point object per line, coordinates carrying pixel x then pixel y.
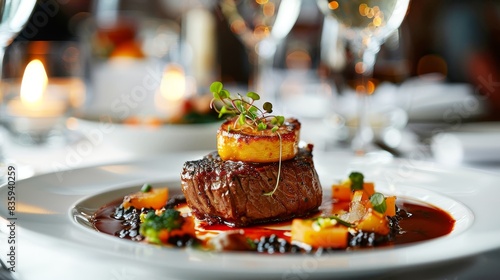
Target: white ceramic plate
{"type": "Point", "coordinates": [45, 217]}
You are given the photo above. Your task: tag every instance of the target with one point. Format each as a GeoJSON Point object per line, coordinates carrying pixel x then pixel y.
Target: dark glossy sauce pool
{"type": "Point", "coordinates": [424, 223]}
{"type": "Point", "coordinates": [417, 222]}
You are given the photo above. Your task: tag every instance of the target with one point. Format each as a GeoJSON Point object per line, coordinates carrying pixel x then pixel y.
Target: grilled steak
{"type": "Point", "coordinates": [232, 192]}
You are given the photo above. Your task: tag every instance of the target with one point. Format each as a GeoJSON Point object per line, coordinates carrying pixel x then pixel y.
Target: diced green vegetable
{"type": "Point", "coordinates": [146, 188]}
{"type": "Point", "coordinates": [170, 219]}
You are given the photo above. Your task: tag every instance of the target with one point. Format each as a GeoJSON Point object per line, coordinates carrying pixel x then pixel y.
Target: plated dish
{"type": "Point", "coordinates": [345, 221]}
{"type": "Point", "coordinates": [53, 207]}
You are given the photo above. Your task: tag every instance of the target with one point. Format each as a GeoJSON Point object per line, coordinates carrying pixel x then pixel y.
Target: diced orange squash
{"type": "Point", "coordinates": [340, 207]}
{"type": "Point", "coordinates": [163, 235]}
{"type": "Point", "coordinates": [390, 201]}
{"type": "Point", "coordinates": [328, 237]}
{"type": "Point", "coordinates": [341, 192]}
{"type": "Point", "coordinates": [369, 188]}
{"type": "Point", "coordinates": [374, 222]}
{"type": "Point", "coordinates": [368, 204]}
{"type": "Point", "coordinates": [187, 228]}
{"type": "Point", "coordinates": [155, 198]}
{"type": "Point", "coordinates": [360, 196]}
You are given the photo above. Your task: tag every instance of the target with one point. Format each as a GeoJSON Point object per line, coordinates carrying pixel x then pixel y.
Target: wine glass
{"type": "Point", "coordinates": [366, 24]}
{"type": "Point", "coordinates": [13, 16]}
{"type": "Point", "coordinates": [260, 25]}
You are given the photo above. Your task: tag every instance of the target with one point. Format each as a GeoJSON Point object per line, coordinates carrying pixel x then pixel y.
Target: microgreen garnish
{"type": "Point", "coordinates": [357, 180]}
{"type": "Point", "coordinates": [246, 115]}
{"type": "Point", "coordinates": [323, 222]}
{"type": "Point", "coordinates": [378, 202]}
{"type": "Point", "coordinates": [279, 173]}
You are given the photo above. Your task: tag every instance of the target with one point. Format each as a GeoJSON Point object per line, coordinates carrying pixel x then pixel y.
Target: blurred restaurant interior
{"type": "Point", "coordinates": [458, 39]}
{"type": "Point", "coordinates": [438, 72]}
{"type": "Point", "coordinates": [103, 94]}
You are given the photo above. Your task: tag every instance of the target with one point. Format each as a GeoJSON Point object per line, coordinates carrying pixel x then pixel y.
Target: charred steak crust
{"type": "Point", "coordinates": [232, 192]}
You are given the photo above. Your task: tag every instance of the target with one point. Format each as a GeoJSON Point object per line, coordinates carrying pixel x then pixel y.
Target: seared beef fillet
{"type": "Point", "coordinates": [232, 192]}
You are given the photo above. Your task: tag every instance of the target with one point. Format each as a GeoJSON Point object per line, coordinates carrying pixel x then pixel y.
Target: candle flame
{"type": "Point", "coordinates": [173, 83]}
{"type": "Point", "coordinates": [34, 82]}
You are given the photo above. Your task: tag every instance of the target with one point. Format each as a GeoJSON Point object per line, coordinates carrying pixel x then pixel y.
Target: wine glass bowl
{"type": "Point", "coordinates": [251, 22]}
{"type": "Point", "coordinates": [260, 25]}
{"type": "Point", "coordinates": [14, 14]}
{"type": "Point", "coordinates": [365, 25]}
{"type": "Point", "coordinates": [366, 22]}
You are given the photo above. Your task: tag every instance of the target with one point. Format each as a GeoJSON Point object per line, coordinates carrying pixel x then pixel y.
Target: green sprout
{"type": "Point", "coordinates": [248, 115]}
{"type": "Point", "coordinates": [242, 108]}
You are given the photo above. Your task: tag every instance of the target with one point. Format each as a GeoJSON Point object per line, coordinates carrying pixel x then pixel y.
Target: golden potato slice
{"type": "Point", "coordinates": [258, 146]}
{"type": "Point", "coordinates": [155, 198]}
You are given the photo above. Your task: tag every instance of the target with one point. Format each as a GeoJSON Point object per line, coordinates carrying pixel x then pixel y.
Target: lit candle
{"type": "Point", "coordinates": [33, 101]}
{"type": "Point", "coordinates": [35, 111]}
{"type": "Point", "coordinates": [173, 83]}
{"type": "Point", "coordinates": [175, 88]}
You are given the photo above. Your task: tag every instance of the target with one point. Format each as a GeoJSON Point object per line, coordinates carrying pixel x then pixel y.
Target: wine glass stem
{"type": "Point", "coordinates": [2, 107]}
{"type": "Point", "coordinates": [3, 136]}
{"type": "Point", "coordinates": [261, 78]}
{"type": "Point", "coordinates": [364, 88]}
{"type": "Point", "coordinates": [255, 79]}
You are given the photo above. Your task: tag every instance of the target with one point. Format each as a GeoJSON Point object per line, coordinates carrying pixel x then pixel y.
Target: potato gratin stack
{"type": "Point", "coordinates": [258, 146]}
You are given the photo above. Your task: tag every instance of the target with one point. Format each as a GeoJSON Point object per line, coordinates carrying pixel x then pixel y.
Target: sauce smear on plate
{"type": "Point", "coordinates": [417, 222]}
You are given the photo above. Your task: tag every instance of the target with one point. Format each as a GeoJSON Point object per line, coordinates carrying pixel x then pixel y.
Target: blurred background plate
{"type": "Point", "coordinates": [147, 139]}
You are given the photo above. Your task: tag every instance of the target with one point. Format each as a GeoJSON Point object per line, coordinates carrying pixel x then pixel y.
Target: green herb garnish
{"type": "Point", "coordinates": [242, 108]}
{"type": "Point", "coordinates": [247, 116]}
{"type": "Point", "coordinates": [378, 202]}
{"type": "Point", "coordinates": [357, 180]}
{"type": "Point", "coordinates": [279, 172]}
